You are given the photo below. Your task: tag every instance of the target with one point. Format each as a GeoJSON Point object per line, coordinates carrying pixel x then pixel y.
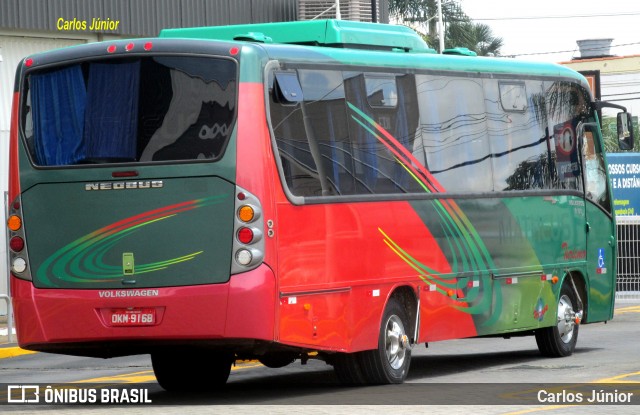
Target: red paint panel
{"type": "Point", "coordinates": [324, 247]}
{"type": "Point", "coordinates": [316, 319]}
{"type": "Point", "coordinates": [338, 245]}
{"type": "Point", "coordinates": [198, 312]}
{"type": "Point", "coordinates": [251, 305]}
{"type": "Point", "coordinates": [441, 318]}
{"type": "Point", "coordinates": [256, 168]}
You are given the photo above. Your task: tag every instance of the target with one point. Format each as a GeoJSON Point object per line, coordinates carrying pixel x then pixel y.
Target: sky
{"type": "Point", "coordinates": [547, 30]}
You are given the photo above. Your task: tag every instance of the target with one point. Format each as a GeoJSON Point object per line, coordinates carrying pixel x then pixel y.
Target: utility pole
{"type": "Point", "coordinates": [440, 27]}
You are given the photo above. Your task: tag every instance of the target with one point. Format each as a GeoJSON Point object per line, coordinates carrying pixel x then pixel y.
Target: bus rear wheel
{"type": "Point", "coordinates": [191, 370]}
{"type": "Point", "coordinates": [389, 363]}
{"type": "Point", "coordinates": [347, 369]}
{"type": "Point", "coordinates": [560, 340]}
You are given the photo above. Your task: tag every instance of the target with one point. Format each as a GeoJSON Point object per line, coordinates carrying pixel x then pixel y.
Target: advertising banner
{"type": "Point", "coordinates": [624, 172]}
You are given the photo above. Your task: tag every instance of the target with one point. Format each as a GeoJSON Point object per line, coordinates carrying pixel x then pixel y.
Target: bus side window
{"type": "Point", "coordinates": [566, 105]}
{"type": "Point", "coordinates": [519, 141]}
{"type": "Point", "coordinates": [308, 118]}
{"type": "Point", "coordinates": [453, 132]}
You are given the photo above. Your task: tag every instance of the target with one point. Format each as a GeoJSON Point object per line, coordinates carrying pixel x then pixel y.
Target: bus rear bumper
{"type": "Point", "coordinates": [61, 319]}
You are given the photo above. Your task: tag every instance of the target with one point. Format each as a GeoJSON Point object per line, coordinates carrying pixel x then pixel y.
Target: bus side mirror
{"type": "Point", "coordinates": [625, 131]}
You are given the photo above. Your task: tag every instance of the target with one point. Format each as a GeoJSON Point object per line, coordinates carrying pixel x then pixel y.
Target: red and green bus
{"type": "Point", "coordinates": [284, 191]}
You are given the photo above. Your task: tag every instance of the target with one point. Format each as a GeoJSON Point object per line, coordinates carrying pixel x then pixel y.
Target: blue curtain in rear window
{"type": "Point", "coordinates": [111, 121]}
{"type": "Point", "coordinates": [58, 103]}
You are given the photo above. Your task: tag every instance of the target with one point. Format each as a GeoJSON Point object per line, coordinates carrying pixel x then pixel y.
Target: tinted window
{"type": "Point", "coordinates": [382, 133]}
{"type": "Point", "coordinates": [453, 132]}
{"type": "Point", "coordinates": [518, 135]}
{"type": "Point", "coordinates": [567, 105]}
{"type": "Point", "coordinates": [335, 142]}
{"type": "Point", "coordinates": [135, 110]}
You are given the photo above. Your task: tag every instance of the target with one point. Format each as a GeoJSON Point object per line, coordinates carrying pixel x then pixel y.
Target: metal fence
{"type": "Point", "coordinates": [628, 282]}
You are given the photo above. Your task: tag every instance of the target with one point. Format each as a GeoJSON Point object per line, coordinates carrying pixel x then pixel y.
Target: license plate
{"type": "Point", "coordinates": [132, 317]}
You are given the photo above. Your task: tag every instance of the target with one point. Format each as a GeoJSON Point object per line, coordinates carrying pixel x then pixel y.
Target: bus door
{"type": "Point", "coordinates": [601, 243]}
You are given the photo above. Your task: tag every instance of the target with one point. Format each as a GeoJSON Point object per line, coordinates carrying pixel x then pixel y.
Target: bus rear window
{"type": "Point", "coordinates": [162, 108]}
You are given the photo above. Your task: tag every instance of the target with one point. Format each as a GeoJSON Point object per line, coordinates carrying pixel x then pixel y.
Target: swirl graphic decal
{"type": "Point", "coordinates": [82, 261]}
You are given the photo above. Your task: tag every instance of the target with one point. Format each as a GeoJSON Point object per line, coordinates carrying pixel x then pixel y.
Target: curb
{"type": "Point", "coordinates": [13, 351]}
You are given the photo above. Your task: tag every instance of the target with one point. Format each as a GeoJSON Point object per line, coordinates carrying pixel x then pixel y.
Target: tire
{"type": "Point", "coordinates": [560, 340]}
{"type": "Point", "coordinates": [347, 369]}
{"type": "Point", "coordinates": [190, 370]}
{"type": "Point", "coordinates": [389, 363]}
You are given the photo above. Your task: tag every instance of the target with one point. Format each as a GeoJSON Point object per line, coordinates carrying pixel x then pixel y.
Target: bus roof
{"type": "Point", "coordinates": [360, 38]}
{"type": "Point", "coordinates": [333, 33]}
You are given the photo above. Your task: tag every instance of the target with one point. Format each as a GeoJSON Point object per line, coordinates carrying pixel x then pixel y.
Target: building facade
{"type": "Point", "coordinates": [619, 78]}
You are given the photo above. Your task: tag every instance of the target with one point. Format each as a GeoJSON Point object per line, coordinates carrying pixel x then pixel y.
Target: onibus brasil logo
{"type": "Point", "coordinates": [67, 394]}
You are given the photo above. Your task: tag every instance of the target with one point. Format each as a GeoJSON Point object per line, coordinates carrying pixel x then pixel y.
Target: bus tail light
{"type": "Point", "coordinates": [16, 244]}
{"type": "Point", "coordinates": [248, 241]}
{"type": "Point", "coordinates": [18, 256]}
{"type": "Point", "coordinates": [245, 235]}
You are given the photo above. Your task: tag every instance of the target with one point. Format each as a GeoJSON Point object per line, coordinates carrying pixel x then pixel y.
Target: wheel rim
{"type": "Point", "coordinates": [566, 319]}
{"type": "Point", "coordinates": [395, 342]}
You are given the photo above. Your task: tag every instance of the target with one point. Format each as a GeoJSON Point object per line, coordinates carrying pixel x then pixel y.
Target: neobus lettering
{"type": "Point", "coordinates": [147, 184]}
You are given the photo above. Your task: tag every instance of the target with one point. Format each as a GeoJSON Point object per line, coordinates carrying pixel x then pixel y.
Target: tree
{"type": "Point", "coordinates": [421, 15]}
{"type": "Point", "coordinates": [477, 37]}
{"type": "Point", "coordinates": [460, 31]}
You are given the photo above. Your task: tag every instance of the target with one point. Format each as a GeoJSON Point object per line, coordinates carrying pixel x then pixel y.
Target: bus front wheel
{"type": "Point", "coordinates": [560, 340]}
{"type": "Point", "coordinates": [389, 363]}
{"type": "Point", "coordinates": [191, 370]}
